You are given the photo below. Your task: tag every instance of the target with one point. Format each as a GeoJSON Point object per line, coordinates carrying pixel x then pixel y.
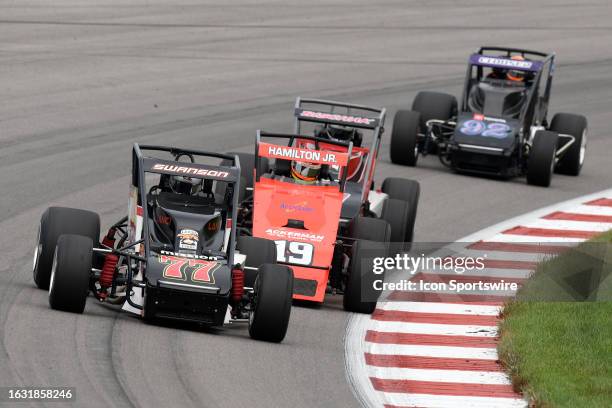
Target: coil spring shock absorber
{"type": "Point", "coordinates": [109, 238]}
{"type": "Point", "coordinates": [108, 270]}
{"type": "Point", "coordinates": [237, 285]}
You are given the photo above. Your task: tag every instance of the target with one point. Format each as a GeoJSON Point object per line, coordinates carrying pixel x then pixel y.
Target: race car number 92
{"type": "Point", "coordinates": [477, 127]}
{"type": "Point", "coordinates": [299, 253]}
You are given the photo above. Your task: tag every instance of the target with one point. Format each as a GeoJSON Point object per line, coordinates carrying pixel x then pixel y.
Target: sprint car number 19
{"type": "Point", "coordinates": [299, 253]}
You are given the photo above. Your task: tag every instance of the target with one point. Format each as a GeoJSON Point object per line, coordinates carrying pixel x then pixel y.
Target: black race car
{"type": "Point", "coordinates": [174, 255]}
{"type": "Point", "coordinates": [501, 128]}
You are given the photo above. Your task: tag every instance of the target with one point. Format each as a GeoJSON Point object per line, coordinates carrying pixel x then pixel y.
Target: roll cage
{"type": "Point", "coordinates": [356, 116]}
{"type": "Point", "coordinates": [535, 108]}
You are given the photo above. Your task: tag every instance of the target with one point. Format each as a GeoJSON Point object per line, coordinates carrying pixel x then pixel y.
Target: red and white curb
{"type": "Point", "coordinates": [415, 353]}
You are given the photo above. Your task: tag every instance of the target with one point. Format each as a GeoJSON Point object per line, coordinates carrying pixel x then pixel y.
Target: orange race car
{"type": "Point", "coordinates": [314, 195]}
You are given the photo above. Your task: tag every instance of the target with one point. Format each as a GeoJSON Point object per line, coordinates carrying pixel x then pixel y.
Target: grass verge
{"type": "Point", "coordinates": [558, 351]}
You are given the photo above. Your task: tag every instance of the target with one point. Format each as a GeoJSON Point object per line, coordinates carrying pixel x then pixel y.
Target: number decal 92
{"type": "Point", "coordinates": [477, 127]}
{"type": "Point", "coordinates": [299, 253]}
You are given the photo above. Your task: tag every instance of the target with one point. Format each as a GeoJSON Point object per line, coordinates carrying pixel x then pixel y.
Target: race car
{"type": "Point", "coordinates": [502, 128]}
{"type": "Point", "coordinates": [314, 195]}
{"type": "Point", "coordinates": [173, 256]}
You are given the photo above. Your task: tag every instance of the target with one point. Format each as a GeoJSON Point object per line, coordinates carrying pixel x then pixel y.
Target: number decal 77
{"type": "Point", "coordinates": [179, 268]}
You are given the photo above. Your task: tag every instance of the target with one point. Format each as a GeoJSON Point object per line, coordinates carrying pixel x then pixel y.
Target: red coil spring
{"type": "Point", "coordinates": [108, 270]}
{"type": "Point", "coordinates": [237, 285]}
{"type": "Point", "coordinates": [109, 239]}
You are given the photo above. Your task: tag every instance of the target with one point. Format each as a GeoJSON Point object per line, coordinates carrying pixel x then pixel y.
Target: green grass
{"type": "Point", "coordinates": [558, 351]}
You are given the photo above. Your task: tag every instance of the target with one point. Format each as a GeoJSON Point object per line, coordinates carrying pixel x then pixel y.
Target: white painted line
{"type": "Point", "coordinates": [528, 239]}
{"type": "Point", "coordinates": [591, 210]}
{"type": "Point", "coordinates": [428, 328]}
{"type": "Point", "coordinates": [490, 255]}
{"type": "Point", "coordinates": [492, 272]}
{"type": "Point", "coordinates": [433, 351]}
{"type": "Point", "coordinates": [568, 225]}
{"type": "Point", "coordinates": [418, 374]}
{"type": "Point", "coordinates": [448, 308]}
{"type": "Point", "coordinates": [447, 401]}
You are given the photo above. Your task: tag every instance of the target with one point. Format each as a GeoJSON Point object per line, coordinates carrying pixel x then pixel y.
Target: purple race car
{"type": "Point", "coordinates": [501, 128]}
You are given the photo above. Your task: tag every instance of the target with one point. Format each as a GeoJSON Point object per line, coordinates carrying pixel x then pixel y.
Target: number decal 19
{"type": "Point", "coordinates": [299, 253]}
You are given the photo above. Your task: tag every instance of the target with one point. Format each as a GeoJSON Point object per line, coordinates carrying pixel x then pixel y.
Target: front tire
{"type": "Point", "coordinates": [54, 222]}
{"type": "Point", "coordinates": [404, 138]}
{"type": "Point", "coordinates": [572, 160]}
{"type": "Point", "coordinates": [258, 251]}
{"type": "Point", "coordinates": [272, 303]}
{"type": "Point", "coordinates": [359, 293]}
{"type": "Point", "coordinates": [541, 162]}
{"type": "Point", "coordinates": [70, 273]}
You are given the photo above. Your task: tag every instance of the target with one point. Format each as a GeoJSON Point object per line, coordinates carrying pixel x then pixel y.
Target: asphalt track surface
{"type": "Point", "coordinates": [81, 81]}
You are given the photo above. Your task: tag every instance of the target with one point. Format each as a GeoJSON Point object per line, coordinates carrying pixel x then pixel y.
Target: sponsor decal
{"type": "Point", "coordinates": [294, 234]}
{"type": "Point", "coordinates": [337, 117]}
{"type": "Point", "coordinates": [191, 256]}
{"type": "Point", "coordinates": [481, 117]}
{"type": "Point", "coordinates": [505, 62]}
{"type": "Point", "coordinates": [164, 220]}
{"type": "Point", "coordinates": [188, 239]}
{"type": "Point", "coordinates": [180, 268]}
{"type": "Point", "coordinates": [193, 171]}
{"type": "Point", "coordinates": [299, 207]}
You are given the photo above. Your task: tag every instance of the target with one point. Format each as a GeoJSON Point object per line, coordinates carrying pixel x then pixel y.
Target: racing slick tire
{"type": "Point", "coordinates": [70, 273]}
{"type": "Point", "coordinates": [541, 161]}
{"type": "Point", "coordinates": [258, 251]}
{"type": "Point", "coordinates": [359, 293]}
{"type": "Point", "coordinates": [273, 294]}
{"type": "Point", "coordinates": [434, 105]}
{"type": "Point", "coordinates": [54, 222]}
{"type": "Point", "coordinates": [397, 213]}
{"type": "Point", "coordinates": [406, 190]}
{"type": "Point", "coordinates": [572, 160]}
{"type": "Point", "coordinates": [370, 229]}
{"type": "Point", "coordinates": [404, 138]}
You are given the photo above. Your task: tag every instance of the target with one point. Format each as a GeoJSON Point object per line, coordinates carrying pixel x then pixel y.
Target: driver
{"type": "Point", "coordinates": [305, 172]}
{"type": "Point", "coordinates": [185, 185]}
{"type": "Point", "coordinates": [516, 75]}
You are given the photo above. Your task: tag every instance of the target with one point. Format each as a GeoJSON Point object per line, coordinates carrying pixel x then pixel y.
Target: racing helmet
{"type": "Point", "coordinates": [185, 185]}
{"type": "Point", "coordinates": [305, 172]}
{"type": "Point", "coordinates": [516, 75]}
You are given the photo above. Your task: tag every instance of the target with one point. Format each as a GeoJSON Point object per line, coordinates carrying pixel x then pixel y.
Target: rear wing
{"type": "Point", "coordinates": [489, 56]}
{"type": "Point", "coordinates": [338, 113]}
{"type": "Point", "coordinates": [319, 154]}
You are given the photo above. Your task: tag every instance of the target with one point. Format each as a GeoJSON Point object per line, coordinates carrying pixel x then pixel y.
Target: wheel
{"type": "Point", "coordinates": [397, 213]}
{"type": "Point", "coordinates": [404, 137]}
{"type": "Point", "coordinates": [272, 303]}
{"type": "Point", "coordinates": [572, 160]}
{"type": "Point", "coordinates": [359, 293]}
{"type": "Point", "coordinates": [405, 190]}
{"type": "Point", "coordinates": [371, 229]}
{"type": "Point", "coordinates": [54, 222]}
{"type": "Point", "coordinates": [541, 160]}
{"type": "Point", "coordinates": [70, 273]}
{"type": "Point", "coordinates": [258, 251]}
{"type": "Point", "coordinates": [434, 105]}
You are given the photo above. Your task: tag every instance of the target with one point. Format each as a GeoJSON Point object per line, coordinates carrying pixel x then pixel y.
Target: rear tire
{"type": "Point", "coordinates": [397, 213]}
{"type": "Point", "coordinates": [371, 229]}
{"type": "Point", "coordinates": [541, 160]}
{"type": "Point", "coordinates": [272, 305]}
{"type": "Point", "coordinates": [258, 251]}
{"type": "Point", "coordinates": [54, 222]}
{"type": "Point", "coordinates": [404, 138]}
{"type": "Point", "coordinates": [572, 160]}
{"type": "Point", "coordinates": [405, 190]}
{"type": "Point", "coordinates": [434, 105]}
{"type": "Point", "coordinates": [70, 273]}
{"type": "Point", "coordinates": [359, 293]}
